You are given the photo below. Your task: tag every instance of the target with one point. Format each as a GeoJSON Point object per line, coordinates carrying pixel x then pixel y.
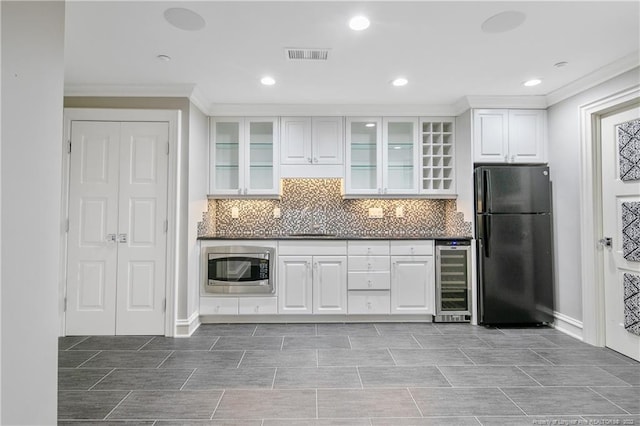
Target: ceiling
{"type": "Point", "coordinates": [113, 47]}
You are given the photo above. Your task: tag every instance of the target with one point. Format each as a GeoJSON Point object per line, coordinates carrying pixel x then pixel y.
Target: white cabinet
{"type": "Point", "coordinates": [238, 305]}
{"type": "Point", "coordinates": [244, 156]}
{"type": "Point", "coordinates": [438, 156]}
{"type": "Point", "coordinates": [412, 285]}
{"type": "Point", "coordinates": [315, 281]}
{"type": "Point", "coordinates": [509, 136]}
{"type": "Point", "coordinates": [311, 140]}
{"type": "Point", "coordinates": [368, 277]}
{"type": "Point", "coordinates": [382, 156]}
{"type": "Point", "coordinates": [412, 277]}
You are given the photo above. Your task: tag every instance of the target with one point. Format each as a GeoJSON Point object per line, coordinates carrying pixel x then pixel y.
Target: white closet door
{"type": "Point", "coordinates": [93, 216]}
{"type": "Point", "coordinates": [141, 228]}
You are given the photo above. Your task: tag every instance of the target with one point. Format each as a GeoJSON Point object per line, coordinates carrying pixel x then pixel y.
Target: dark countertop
{"type": "Point", "coordinates": [337, 237]}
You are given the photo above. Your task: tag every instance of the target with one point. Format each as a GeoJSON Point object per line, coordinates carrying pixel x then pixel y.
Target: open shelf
{"type": "Point", "coordinates": [437, 156]}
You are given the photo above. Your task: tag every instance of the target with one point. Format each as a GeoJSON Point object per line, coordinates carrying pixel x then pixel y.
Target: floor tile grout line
{"type": "Point", "coordinates": [214, 343]}
{"type": "Point", "coordinates": [273, 381]}
{"type": "Point", "coordinates": [477, 420]}
{"type": "Point", "coordinates": [317, 410]}
{"type": "Point", "coordinates": [419, 344]}
{"type": "Point", "coordinates": [104, 377]}
{"type": "Point", "coordinates": [467, 356]}
{"type": "Point", "coordinates": [359, 376]}
{"type": "Point", "coordinates": [512, 401]}
{"type": "Point", "coordinates": [241, 358]}
{"type": "Point", "coordinates": [77, 343]}
{"type": "Point", "coordinates": [317, 353]}
{"type": "Point", "coordinates": [145, 344]}
{"type": "Point", "coordinates": [532, 378]}
{"type": "Point", "coordinates": [392, 357]}
{"type": "Point", "coordinates": [415, 402]}
{"type": "Point", "coordinates": [217, 404]}
{"type": "Point", "coordinates": [444, 375]}
{"type": "Point", "coordinates": [185, 382]}
{"type": "Point", "coordinates": [598, 393]}
{"type": "Point", "coordinates": [89, 359]}
{"type": "Point", "coordinates": [549, 361]}
{"type": "Point", "coordinates": [165, 359]}
{"type": "Point", "coordinates": [282, 343]}
{"type": "Point", "coordinates": [117, 405]}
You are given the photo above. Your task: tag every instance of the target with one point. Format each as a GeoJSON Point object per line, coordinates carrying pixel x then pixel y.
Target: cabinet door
{"type": "Point", "coordinates": [261, 156]}
{"type": "Point", "coordinates": [490, 135]}
{"type": "Point", "coordinates": [257, 305]}
{"type": "Point", "coordinates": [364, 156]}
{"type": "Point", "coordinates": [400, 156]}
{"type": "Point", "coordinates": [226, 171]}
{"type": "Point", "coordinates": [295, 140]}
{"type": "Point", "coordinates": [412, 285]}
{"type": "Point", "coordinates": [294, 285]}
{"type": "Point", "coordinates": [527, 136]}
{"type": "Point", "coordinates": [327, 140]}
{"type": "Point", "coordinates": [329, 284]}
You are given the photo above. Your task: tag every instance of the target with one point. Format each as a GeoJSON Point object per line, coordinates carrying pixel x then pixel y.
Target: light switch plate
{"type": "Point", "coordinates": [375, 213]}
{"type": "Point", "coordinates": [276, 212]}
{"type": "Point", "coordinates": [235, 213]}
{"type": "Point", "coordinates": [400, 211]}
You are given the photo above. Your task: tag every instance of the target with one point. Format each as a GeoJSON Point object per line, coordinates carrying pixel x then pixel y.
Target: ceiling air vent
{"type": "Point", "coordinates": [304, 54]}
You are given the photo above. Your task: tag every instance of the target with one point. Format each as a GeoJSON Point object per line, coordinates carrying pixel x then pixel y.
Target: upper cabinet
{"type": "Point", "coordinates": [438, 156]}
{"type": "Point", "coordinates": [244, 156]}
{"type": "Point", "coordinates": [382, 156]}
{"type": "Point", "coordinates": [312, 141]}
{"type": "Point", "coordinates": [509, 136]}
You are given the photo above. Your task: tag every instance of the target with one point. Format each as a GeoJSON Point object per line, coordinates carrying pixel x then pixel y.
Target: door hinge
{"type": "Point", "coordinates": [64, 305]}
{"type": "Point", "coordinates": [168, 148]}
{"type": "Point", "coordinates": [66, 225]}
{"type": "Point", "coordinates": [166, 226]}
{"type": "Point", "coordinates": [69, 146]}
{"type": "Point", "coordinates": [164, 305]}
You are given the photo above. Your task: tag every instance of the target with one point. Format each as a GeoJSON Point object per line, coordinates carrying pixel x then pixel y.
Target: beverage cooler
{"type": "Point", "coordinates": [453, 281]}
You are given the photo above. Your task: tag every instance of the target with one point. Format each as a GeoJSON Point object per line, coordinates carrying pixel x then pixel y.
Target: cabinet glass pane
{"type": "Point", "coordinates": [364, 155]}
{"type": "Point", "coordinates": [226, 152]}
{"type": "Point", "coordinates": [261, 155]}
{"type": "Point", "coordinates": [400, 155]}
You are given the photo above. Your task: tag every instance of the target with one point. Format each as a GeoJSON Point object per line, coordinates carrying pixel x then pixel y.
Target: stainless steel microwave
{"type": "Point", "coordinates": [239, 270]}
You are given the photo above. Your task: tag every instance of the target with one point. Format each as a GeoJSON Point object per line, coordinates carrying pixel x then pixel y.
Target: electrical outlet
{"type": "Point", "coordinates": [400, 211]}
{"type": "Point", "coordinates": [376, 213]}
{"type": "Point", "coordinates": [234, 213]}
{"type": "Point", "coordinates": [276, 212]}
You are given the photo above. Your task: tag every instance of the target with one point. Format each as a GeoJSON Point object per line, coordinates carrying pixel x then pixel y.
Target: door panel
{"type": "Point", "coordinates": [141, 258]}
{"type": "Point", "coordinates": [329, 285]}
{"type": "Point", "coordinates": [93, 216]}
{"type": "Point", "coordinates": [516, 275]}
{"type": "Point", "coordinates": [513, 189]}
{"type": "Point", "coordinates": [620, 194]}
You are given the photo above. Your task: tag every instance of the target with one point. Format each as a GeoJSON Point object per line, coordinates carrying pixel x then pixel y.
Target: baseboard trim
{"type": "Point", "coordinates": [185, 328]}
{"type": "Point", "coordinates": [568, 325]}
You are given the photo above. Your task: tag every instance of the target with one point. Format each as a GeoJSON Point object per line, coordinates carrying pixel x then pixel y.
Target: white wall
{"type": "Point", "coordinates": [198, 181]}
{"type": "Point", "coordinates": [464, 166]}
{"type": "Point", "coordinates": [564, 163]}
{"type": "Point", "coordinates": [32, 35]}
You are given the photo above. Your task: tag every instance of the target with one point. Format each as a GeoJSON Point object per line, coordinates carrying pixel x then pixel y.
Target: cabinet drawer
{"type": "Point", "coordinates": [312, 248]}
{"type": "Point", "coordinates": [369, 302]}
{"type": "Point", "coordinates": [218, 306]}
{"type": "Point", "coordinates": [369, 281]}
{"type": "Point", "coordinates": [368, 263]}
{"type": "Point", "coordinates": [411, 248]}
{"type": "Point", "coordinates": [368, 248]}
{"type": "Point", "coordinates": [257, 305]}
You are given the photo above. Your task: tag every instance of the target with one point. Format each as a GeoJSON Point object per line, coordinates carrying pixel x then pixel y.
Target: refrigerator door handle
{"type": "Point", "coordinates": [486, 195]}
{"type": "Point", "coordinates": [480, 285]}
{"type": "Point", "coordinates": [486, 235]}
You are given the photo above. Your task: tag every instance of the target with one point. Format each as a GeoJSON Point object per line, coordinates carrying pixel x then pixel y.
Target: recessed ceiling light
{"type": "Point", "coordinates": [184, 19]}
{"type": "Point", "coordinates": [165, 58]}
{"type": "Point", "coordinates": [561, 64]}
{"type": "Point", "coordinates": [532, 82]}
{"type": "Point", "coordinates": [370, 125]}
{"type": "Point", "coordinates": [503, 22]}
{"type": "Point", "coordinates": [268, 81]}
{"type": "Point", "coordinates": [359, 23]}
{"type": "Point", "coordinates": [400, 81]}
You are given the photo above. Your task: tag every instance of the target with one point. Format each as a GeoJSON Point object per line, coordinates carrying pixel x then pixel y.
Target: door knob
{"type": "Point", "coordinates": [122, 238]}
{"type": "Point", "coordinates": [111, 238]}
{"type": "Point", "coordinates": [606, 242]}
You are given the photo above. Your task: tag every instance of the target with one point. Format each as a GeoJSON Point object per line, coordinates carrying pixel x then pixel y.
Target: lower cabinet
{"type": "Point", "coordinates": [313, 282]}
{"type": "Point", "coordinates": [412, 285]}
{"type": "Point", "coordinates": [368, 302]}
{"type": "Point", "coordinates": [238, 305]}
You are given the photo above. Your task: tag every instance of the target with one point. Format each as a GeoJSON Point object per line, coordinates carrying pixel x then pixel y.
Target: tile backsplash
{"type": "Point", "coordinates": [317, 205]}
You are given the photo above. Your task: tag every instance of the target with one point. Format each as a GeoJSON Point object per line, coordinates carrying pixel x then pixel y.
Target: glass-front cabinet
{"type": "Point", "coordinates": [243, 156]}
{"type": "Point", "coordinates": [382, 156]}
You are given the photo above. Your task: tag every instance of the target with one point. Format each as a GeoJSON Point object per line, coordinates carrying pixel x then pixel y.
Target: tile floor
{"type": "Point", "coordinates": [346, 375]}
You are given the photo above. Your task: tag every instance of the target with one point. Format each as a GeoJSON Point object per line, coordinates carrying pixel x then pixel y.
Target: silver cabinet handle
{"type": "Point", "coordinates": [111, 238]}
{"type": "Point", "coordinates": [122, 238]}
{"type": "Point", "coordinates": [315, 159]}
{"type": "Point", "coordinates": [606, 242]}
{"type": "Point", "coordinates": [308, 159]}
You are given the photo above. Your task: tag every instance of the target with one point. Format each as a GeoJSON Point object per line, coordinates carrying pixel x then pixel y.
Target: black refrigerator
{"type": "Point", "coordinates": [514, 244]}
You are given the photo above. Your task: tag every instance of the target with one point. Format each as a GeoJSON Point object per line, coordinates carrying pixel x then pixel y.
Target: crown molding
{"type": "Point", "coordinates": [528, 102]}
{"type": "Point", "coordinates": [601, 75]}
{"type": "Point", "coordinates": [199, 99]}
{"type": "Point", "coordinates": [155, 91]}
{"type": "Point", "coordinates": [388, 110]}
